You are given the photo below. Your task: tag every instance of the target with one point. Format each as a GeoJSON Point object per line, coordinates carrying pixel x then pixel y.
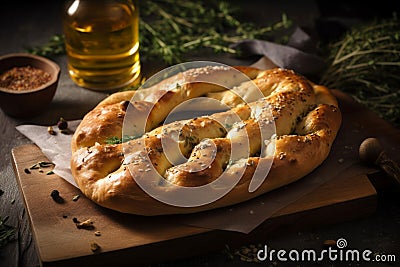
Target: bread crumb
{"type": "Point", "coordinates": [94, 247]}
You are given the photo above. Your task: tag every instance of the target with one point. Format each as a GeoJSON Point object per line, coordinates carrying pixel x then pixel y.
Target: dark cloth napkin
{"type": "Point", "coordinates": [299, 54]}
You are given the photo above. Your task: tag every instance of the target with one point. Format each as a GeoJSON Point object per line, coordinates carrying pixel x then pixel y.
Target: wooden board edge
{"type": "Point", "coordinates": [216, 240]}
{"type": "Point", "coordinates": [21, 190]}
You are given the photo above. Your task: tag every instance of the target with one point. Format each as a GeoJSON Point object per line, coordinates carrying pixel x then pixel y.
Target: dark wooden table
{"type": "Point", "coordinates": [31, 24]}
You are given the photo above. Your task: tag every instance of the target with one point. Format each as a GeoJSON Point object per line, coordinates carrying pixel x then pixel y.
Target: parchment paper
{"type": "Point", "coordinates": [56, 148]}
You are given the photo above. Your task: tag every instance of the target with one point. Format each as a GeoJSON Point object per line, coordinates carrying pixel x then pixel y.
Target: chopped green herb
{"type": "Point", "coordinates": [113, 140]}
{"type": "Point", "coordinates": [116, 140]}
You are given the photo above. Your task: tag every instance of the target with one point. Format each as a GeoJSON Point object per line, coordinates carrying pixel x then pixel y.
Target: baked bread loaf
{"type": "Point", "coordinates": [305, 119]}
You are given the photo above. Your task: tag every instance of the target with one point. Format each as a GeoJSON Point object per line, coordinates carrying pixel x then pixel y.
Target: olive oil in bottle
{"type": "Point", "coordinates": [102, 43]}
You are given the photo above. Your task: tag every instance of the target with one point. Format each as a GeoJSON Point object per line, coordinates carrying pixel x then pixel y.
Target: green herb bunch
{"type": "Point", "coordinates": [170, 29]}
{"type": "Point", "coordinates": [6, 232]}
{"type": "Point", "coordinates": [366, 64]}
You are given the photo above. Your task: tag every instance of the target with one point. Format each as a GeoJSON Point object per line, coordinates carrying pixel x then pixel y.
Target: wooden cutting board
{"type": "Point", "coordinates": [134, 239]}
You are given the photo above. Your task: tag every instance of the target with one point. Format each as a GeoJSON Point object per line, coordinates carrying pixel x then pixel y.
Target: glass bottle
{"type": "Point", "coordinates": [102, 43]}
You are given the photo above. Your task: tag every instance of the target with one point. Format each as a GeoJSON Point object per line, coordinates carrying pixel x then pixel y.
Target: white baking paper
{"type": "Point", "coordinates": [57, 148]}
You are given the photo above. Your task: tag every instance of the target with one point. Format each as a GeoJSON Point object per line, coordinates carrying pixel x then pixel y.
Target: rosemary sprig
{"type": "Point", "coordinates": [55, 46]}
{"type": "Point", "coordinates": [171, 29]}
{"type": "Point", "coordinates": [6, 232]}
{"type": "Point", "coordinates": [366, 64]}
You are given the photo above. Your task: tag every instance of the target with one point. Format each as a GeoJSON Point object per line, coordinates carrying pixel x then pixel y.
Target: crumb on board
{"type": "Point", "coordinates": [76, 197]}
{"type": "Point", "coordinates": [87, 224]}
{"type": "Point", "coordinates": [51, 131]}
{"type": "Point", "coordinates": [55, 195]}
{"type": "Point", "coordinates": [94, 247]}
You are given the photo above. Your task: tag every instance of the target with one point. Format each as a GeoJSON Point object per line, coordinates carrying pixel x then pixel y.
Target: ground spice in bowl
{"type": "Point", "coordinates": [27, 84]}
{"type": "Point", "coordinates": [24, 78]}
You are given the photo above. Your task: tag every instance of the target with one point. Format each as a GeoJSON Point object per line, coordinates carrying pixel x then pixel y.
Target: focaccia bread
{"type": "Point", "coordinates": [305, 117]}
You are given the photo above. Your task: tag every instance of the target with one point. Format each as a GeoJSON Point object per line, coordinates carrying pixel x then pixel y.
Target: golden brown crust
{"type": "Point", "coordinates": [306, 117]}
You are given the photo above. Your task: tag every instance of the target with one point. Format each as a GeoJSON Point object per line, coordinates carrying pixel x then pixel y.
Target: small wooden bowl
{"type": "Point", "coordinates": [28, 102]}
